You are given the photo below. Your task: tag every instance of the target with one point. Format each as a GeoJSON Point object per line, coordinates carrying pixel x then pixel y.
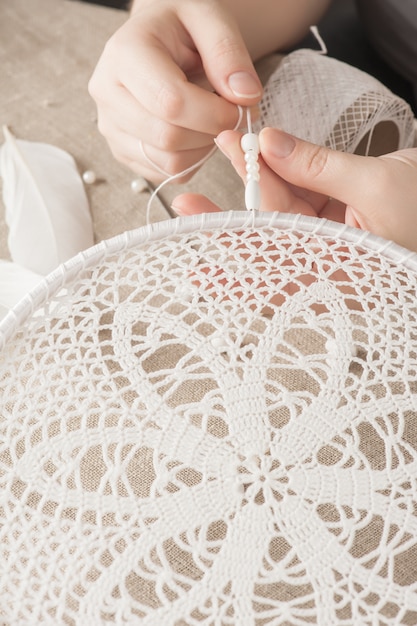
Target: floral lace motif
{"type": "Point", "coordinates": [215, 428]}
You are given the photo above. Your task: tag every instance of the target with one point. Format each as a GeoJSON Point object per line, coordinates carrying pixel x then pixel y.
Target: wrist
{"type": "Point", "coordinates": [137, 5]}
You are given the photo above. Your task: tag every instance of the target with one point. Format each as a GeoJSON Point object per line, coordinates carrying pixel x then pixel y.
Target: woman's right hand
{"type": "Point", "coordinates": [170, 79]}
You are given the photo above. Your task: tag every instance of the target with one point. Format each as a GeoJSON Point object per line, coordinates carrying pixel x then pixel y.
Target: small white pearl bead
{"type": "Point", "coordinates": [184, 292]}
{"type": "Point", "coordinates": [331, 346]}
{"type": "Point", "coordinates": [219, 343]}
{"type": "Point", "coordinates": [249, 142]}
{"type": "Point", "coordinates": [138, 185]}
{"type": "Point", "coordinates": [89, 177]}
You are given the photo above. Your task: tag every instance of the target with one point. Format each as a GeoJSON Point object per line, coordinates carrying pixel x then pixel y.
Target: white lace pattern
{"type": "Point", "coordinates": [213, 425]}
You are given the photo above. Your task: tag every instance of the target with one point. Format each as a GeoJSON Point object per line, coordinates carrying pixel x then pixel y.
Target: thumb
{"type": "Point", "coordinates": [379, 192]}
{"type": "Point", "coordinates": [226, 60]}
{"type": "Point", "coordinates": [340, 175]}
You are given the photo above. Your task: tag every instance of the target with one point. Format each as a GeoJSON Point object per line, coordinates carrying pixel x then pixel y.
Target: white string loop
{"type": "Point", "coordinates": [323, 47]}
{"type": "Point", "coordinates": [171, 177]}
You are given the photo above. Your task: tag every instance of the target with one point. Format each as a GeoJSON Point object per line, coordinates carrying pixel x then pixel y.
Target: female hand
{"type": "Point", "coordinates": [377, 194]}
{"type": "Point", "coordinates": [170, 78]}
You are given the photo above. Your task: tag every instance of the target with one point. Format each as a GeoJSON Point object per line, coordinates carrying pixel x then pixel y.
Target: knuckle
{"type": "Point", "coordinates": [382, 178]}
{"type": "Point", "coordinates": [170, 104]}
{"type": "Point", "coordinates": [117, 153]}
{"type": "Point", "coordinates": [96, 85]}
{"type": "Point", "coordinates": [114, 45]}
{"type": "Point", "coordinates": [317, 162]}
{"type": "Point", "coordinates": [226, 47]}
{"type": "Point", "coordinates": [174, 163]}
{"type": "Point", "coordinates": [168, 137]}
{"type": "Point", "coordinates": [120, 157]}
{"type": "Point", "coordinates": [92, 87]}
{"type": "Point", "coordinates": [103, 126]}
{"type": "Point", "coordinates": [227, 53]}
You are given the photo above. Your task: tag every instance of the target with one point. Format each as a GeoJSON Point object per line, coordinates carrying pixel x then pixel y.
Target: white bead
{"type": "Point", "coordinates": [250, 146]}
{"type": "Point", "coordinates": [184, 293]}
{"type": "Point", "coordinates": [250, 142]}
{"type": "Point", "coordinates": [331, 346]}
{"type": "Point", "coordinates": [219, 343]}
{"type": "Point", "coordinates": [252, 195]}
{"type": "Point", "coordinates": [253, 169]}
{"type": "Point", "coordinates": [138, 185]}
{"type": "Point", "coordinates": [354, 351]}
{"type": "Point", "coordinates": [89, 177]}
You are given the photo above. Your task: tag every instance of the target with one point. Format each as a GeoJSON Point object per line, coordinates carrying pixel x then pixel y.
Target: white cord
{"type": "Point", "coordinates": [188, 170]}
{"type": "Point", "coordinates": [315, 31]}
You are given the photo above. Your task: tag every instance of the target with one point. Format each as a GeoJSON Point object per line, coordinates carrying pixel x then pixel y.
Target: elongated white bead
{"type": "Point", "coordinates": [252, 195]}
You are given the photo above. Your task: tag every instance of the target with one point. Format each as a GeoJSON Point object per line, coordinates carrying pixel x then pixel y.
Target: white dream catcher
{"type": "Point", "coordinates": [212, 421]}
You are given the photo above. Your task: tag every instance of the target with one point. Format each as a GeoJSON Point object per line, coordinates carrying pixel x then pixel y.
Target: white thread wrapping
{"type": "Point", "coordinates": [330, 103]}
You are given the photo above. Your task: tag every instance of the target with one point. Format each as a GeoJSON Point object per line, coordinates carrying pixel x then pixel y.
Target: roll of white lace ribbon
{"type": "Point", "coordinates": [331, 103]}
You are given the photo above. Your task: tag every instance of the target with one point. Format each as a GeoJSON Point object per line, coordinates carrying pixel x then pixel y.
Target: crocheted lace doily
{"type": "Point", "coordinates": [213, 422]}
{"type": "Point", "coordinates": [331, 103]}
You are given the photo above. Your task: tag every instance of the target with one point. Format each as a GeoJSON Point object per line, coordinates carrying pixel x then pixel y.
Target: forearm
{"type": "Point", "coordinates": [275, 25]}
{"type": "Point", "coordinates": [269, 25]}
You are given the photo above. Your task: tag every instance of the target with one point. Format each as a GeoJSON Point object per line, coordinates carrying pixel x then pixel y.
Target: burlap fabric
{"type": "Point", "coordinates": [213, 425]}
{"type": "Point", "coordinates": [47, 56]}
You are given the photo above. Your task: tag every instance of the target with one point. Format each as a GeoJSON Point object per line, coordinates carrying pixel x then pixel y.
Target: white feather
{"type": "Point", "coordinates": [15, 283]}
{"type": "Point", "coordinates": [47, 210]}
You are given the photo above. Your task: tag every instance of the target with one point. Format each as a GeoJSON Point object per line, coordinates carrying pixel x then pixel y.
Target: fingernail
{"type": "Point", "coordinates": [221, 148]}
{"type": "Point", "coordinates": [177, 210]}
{"type": "Point", "coordinates": [281, 144]}
{"type": "Point", "coordinates": [244, 85]}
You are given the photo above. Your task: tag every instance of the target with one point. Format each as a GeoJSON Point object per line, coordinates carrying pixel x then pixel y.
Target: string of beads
{"type": "Point", "coordinates": [250, 146]}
